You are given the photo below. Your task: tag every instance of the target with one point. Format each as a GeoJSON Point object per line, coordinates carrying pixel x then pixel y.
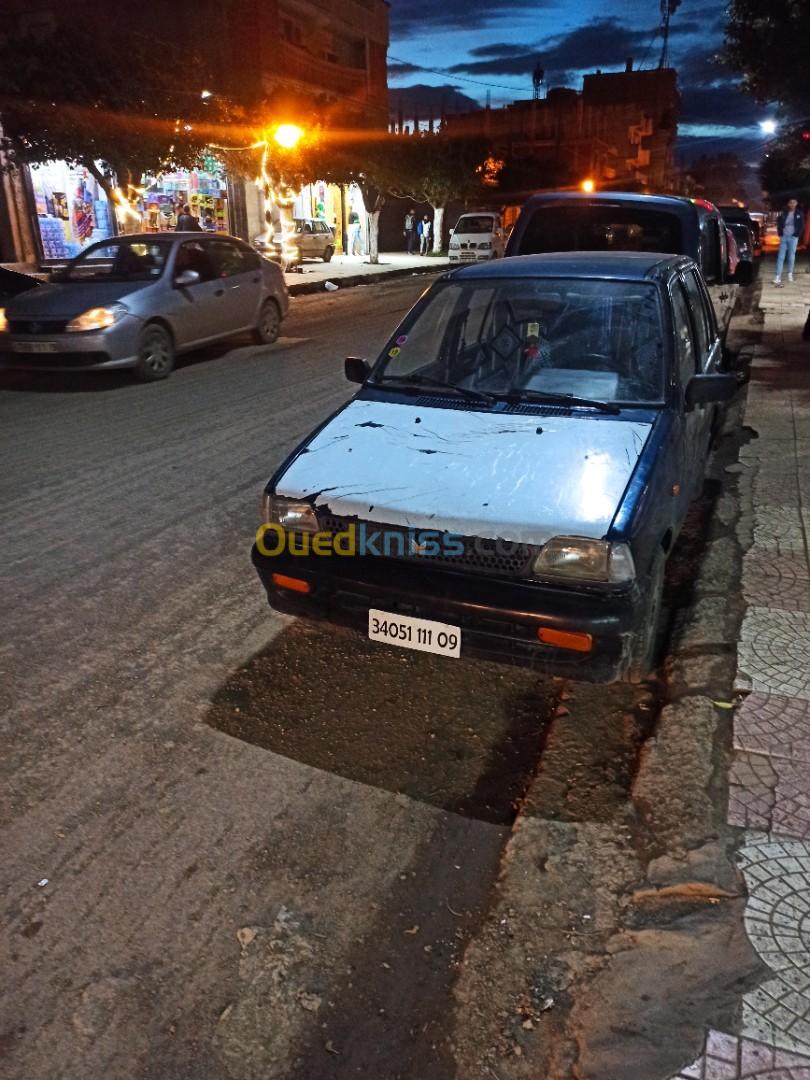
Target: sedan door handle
{"type": "Point", "coordinates": [219, 292]}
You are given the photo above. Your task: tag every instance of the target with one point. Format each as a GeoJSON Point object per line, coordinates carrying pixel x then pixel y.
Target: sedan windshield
{"type": "Point", "coordinates": [589, 339]}
{"type": "Point", "coordinates": [126, 259]}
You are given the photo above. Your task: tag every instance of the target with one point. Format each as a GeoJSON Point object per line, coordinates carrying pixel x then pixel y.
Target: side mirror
{"type": "Point", "coordinates": [745, 273]}
{"type": "Point", "coordinates": [703, 389]}
{"type": "Point", "coordinates": [357, 369]}
{"type": "Point", "coordinates": [186, 278]}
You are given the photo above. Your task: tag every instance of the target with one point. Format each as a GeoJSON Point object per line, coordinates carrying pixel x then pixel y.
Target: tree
{"type": "Point", "coordinates": [113, 104]}
{"type": "Point", "coordinates": [767, 42]}
{"type": "Point", "coordinates": [438, 168]}
{"type": "Point", "coordinates": [785, 170]}
{"type": "Point", "coordinates": [720, 177]}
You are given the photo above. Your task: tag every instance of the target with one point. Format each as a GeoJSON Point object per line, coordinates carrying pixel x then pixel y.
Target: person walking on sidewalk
{"type": "Point", "coordinates": [790, 226]}
{"type": "Point", "coordinates": [409, 231]}
{"type": "Point", "coordinates": [425, 229]}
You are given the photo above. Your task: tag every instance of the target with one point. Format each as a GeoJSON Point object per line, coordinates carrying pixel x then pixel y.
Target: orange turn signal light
{"type": "Point", "coordinates": [294, 584]}
{"type": "Point", "coordinates": [565, 639]}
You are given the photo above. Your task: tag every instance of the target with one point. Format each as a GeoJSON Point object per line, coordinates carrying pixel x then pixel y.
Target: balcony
{"type": "Point", "coordinates": [296, 63]}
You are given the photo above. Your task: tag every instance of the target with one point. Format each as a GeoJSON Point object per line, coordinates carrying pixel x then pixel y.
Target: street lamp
{"type": "Point", "coordinates": [588, 185]}
{"type": "Point", "coordinates": [288, 136]}
{"type": "Point", "coordinates": [767, 127]}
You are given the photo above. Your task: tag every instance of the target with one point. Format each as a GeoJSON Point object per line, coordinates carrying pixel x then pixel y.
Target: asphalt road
{"type": "Point", "coordinates": [234, 846]}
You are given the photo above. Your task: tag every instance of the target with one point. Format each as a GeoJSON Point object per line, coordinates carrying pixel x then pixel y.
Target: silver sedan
{"type": "Point", "coordinates": [137, 301]}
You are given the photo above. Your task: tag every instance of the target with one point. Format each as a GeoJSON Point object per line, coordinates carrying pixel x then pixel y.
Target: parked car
{"type": "Point", "coordinates": [622, 221]}
{"type": "Point", "coordinates": [137, 301]}
{"type": "Point", "coordinates": [746, 248]}
{"type": "Point", "coordinates": [737, 215]}
{"type": "Point", "coordinates": [311, 238]}
{"type": "Point", "coordinates": [13, 283]}
{"type": "Point", "coordinates": [733, 253]}
{"type": "Point", "coordinates": [477, 238]}
{"type": "Point", "coordinates": [513, 473]}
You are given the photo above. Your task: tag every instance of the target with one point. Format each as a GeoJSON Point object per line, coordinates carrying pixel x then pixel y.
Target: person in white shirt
{"type": "Point", "coordinates": [424, 235]}
{"type": "Point", "coordinates": [790, 226]}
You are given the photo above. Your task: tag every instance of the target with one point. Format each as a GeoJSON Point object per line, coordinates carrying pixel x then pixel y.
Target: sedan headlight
{"type": "Point", "coordinates": [454, 245]}
{"type": "Point", "coordinates": [576, 558]}
{"type": "Point", "coordinates": [485, 244]}
{"type": "Point", "coordinates": [295, 516]}
{"type": "Point", "coordinates": [3, 321]}
{"type": "Point", "coordinates": [97, 318]}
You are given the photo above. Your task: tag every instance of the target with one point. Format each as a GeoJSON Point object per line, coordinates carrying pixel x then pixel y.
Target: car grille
{"type": "Point", "coordinates": [479, 555]}
{"type": "Point", "coordinates": [37, 326]}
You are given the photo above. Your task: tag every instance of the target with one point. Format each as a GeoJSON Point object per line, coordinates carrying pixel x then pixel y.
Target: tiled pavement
{"type": "Point", "coordinates": [770, 777]}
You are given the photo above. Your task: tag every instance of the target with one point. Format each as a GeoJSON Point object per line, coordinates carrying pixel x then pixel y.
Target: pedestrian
{"type": "Point", "coordinates": [790, 226]}
{"type": "Point", "coordinates": [409, 231]}
{"type": "Point", "coordinates": [424, 235]}
{"type": "Point", "coordinates": [354, 233]}
{"type": "Point", "coordinates": [186, 222]}
{"type": "Point", "coordinates": [209, 225]}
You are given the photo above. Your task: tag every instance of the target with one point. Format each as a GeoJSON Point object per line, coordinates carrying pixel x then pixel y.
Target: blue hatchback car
{"type": "Point", "coordinates": [513, 473]}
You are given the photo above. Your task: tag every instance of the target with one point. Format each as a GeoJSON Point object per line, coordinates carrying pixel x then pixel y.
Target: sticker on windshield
{"type": "Point", "coordinates": [395, 351]}
{"type": "Point", "coordinates": [533, 329]}
{"type": "Point", "coordinates": [402, 339]}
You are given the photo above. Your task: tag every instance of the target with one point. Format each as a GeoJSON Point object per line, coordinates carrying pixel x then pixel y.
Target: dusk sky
{"type": "Point", "coordinates": [476, 45]}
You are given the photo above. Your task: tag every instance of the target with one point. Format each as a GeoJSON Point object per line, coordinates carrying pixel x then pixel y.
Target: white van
{"type": "Point", "coordinates": [477, 237]}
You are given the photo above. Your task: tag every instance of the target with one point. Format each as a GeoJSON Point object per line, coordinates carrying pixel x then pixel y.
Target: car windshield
{"type": "Point", "coordinates": [591, 339]}
{"type": "Point", "coordinates": [127, 259]}
{"type": "Point", "coordinates": [475, 225]}
{"type": "Point", "coordinates": [600, 227]}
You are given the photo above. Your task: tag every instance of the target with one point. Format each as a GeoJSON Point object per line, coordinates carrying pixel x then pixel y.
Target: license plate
{"type": "Point", "coordinates": [34, 346]}
{"type": "Point", "coordinates": [425, 635]}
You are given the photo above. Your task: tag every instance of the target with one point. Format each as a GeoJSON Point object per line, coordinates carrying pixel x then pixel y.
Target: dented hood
{"type": "Point", "coordinates": [497, 476]}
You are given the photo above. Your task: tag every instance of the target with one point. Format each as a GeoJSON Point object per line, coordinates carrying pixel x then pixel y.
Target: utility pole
{"type": "Point", "coordinates": [668, 9]}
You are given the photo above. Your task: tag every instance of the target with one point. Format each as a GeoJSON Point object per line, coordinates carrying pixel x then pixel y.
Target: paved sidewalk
{"type": "Point", "coordinates": [770, 777]}
{"type": "Point", "coordinates": [347, 270]}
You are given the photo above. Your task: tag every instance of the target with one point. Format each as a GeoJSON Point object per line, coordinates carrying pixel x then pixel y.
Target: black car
{"type": "Point", "coordinates": [737, 215]}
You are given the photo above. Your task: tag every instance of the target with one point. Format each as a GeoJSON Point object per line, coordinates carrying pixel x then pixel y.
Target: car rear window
{"type": "Point", "coordinates": [600, 227]}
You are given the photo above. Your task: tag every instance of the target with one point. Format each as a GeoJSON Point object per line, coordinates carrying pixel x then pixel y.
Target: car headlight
{"type": "Point", "coordinates": [97, 318]}
{"type": "Point", "coordinates": [454, 245]}
{"type": "Point", "coordinates": [3, 321]}
{"type": "Point", "coordinates": [485, 244]}
{"type": "Point", "coordinates": [576, 558]}
{"type": "Point", "coordinates": [289, 514]}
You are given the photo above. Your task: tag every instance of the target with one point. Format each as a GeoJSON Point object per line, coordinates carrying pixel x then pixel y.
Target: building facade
{"type": "Point", "coordinates": [619, 131]}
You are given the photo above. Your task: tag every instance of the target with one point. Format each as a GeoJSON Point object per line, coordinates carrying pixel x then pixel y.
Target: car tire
{"type": "Point", "coordinates": [155, 353]}
{"type": "Point", "coordinates": [327, 255]}
{"type": "Point", "coordinates": [642, 657]}
{"type": "Point", "coordinates": [267, 328]}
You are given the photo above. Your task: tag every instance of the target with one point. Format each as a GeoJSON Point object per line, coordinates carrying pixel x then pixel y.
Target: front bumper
{"type": "Point", "coordinates": [115, 347]}
{"type": "Point", "coordinates": [499, 618]}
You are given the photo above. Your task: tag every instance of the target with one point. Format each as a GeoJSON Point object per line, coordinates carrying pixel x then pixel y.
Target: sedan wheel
{"type": "Point", "coordinates": [328, 253]}
{"type": "Point", "coordinates": [267, 328]}
{"type": "Point", "coordinates": [155, 354]}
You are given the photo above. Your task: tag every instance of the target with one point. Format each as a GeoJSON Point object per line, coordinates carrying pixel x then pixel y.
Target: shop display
{"type": "Point", "coordinates": [204, 192]}
{"type": "Point", "coordinates": [72, 210]}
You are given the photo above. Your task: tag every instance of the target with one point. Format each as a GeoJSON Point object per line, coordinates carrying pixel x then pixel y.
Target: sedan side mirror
{"type": "Point", "coordinates": [702, 389]}
{"type": "Point", "coordinates": [186, 278]}
{"type": "Point", "coordinates": [357, 369]}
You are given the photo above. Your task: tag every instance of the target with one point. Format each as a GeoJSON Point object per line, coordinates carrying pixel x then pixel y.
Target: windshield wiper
{"type": "Point", "coordinates": [561, 399]}
{"type": "Point", "coordinates": [428, 380]}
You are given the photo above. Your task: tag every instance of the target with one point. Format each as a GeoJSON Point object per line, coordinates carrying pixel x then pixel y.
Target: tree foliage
{"type": "Point", "coordinates": [125, 102]}
{"type": "Point", "coordinates": [767, 42]}
{"type": "Point", "coordinates": [785, 170]}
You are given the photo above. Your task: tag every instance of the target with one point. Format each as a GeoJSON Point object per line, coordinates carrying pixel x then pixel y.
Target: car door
{"type": "Point", "coordinates": [195, 311]}
{"type": "Point", "coordinates": [241, 282]}
{"type": "Point", "coordinates": [708, 349]}
{"type": "Point", "coordinates": [692, 422]}
{"type": "Point", "coordinates": [713, 260]}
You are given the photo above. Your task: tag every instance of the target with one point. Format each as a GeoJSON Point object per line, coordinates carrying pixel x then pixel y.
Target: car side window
{"type": "Point", "coordinates": [710, 250]}
{"type": "Point", "coordinates": [699, 314]}
{"type": "Point", "coordinates": [684, 334]}
{"type": "Point", "coordinates": [226, 257]}
{"type": "Point", "coordinates": [250, 260]}
{"type": "Point", "coordinates": [193, 255]}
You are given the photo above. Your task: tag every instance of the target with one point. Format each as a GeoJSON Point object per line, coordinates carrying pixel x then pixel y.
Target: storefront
{"type": "Point", "coordinates": [203, 190]}
{"type": "Point", "coordinates": [72, 210]}
{"type": "Point", "coordinates": [338, 206]}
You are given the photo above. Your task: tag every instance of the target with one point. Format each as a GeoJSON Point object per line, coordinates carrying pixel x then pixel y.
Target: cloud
{"type": "Point", "coordinates": [411, 16]}
{"type": "Point", "coordinates": [400, 68]}
{"type": "Point", "coordinates": [718, 105]}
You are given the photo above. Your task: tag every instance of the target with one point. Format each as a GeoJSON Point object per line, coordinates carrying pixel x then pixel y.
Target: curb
{"type": "Point", "coordinates": [306, 287]}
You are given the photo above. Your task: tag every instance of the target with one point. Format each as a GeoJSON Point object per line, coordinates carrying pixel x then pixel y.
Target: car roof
{"type": "Point", "coordinates": [672, 202]}
{"type": "Point", "coordinates": [616, 265]}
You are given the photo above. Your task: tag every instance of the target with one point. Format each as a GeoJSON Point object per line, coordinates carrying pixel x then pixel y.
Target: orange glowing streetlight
{"type": "Point", "coordinates": [288, 136]}
{"type": "Point", "coordinates": [588, 185]}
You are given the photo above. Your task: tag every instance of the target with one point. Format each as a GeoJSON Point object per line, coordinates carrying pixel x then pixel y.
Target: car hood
{"type": "Point", "coordinates": [497, 476]}
{"type": "Point", "coordinates": [66, 301]}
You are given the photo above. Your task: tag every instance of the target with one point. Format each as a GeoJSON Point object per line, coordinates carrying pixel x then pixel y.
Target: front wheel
{"type": "Point", "coordinates": [327, 255]}
{"type": "Point", "coordinates": [642, 657]}
{"type": "Point", "coordinates": [269, 323]}
{"type": "Point", "coordinates": [155, 354]}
